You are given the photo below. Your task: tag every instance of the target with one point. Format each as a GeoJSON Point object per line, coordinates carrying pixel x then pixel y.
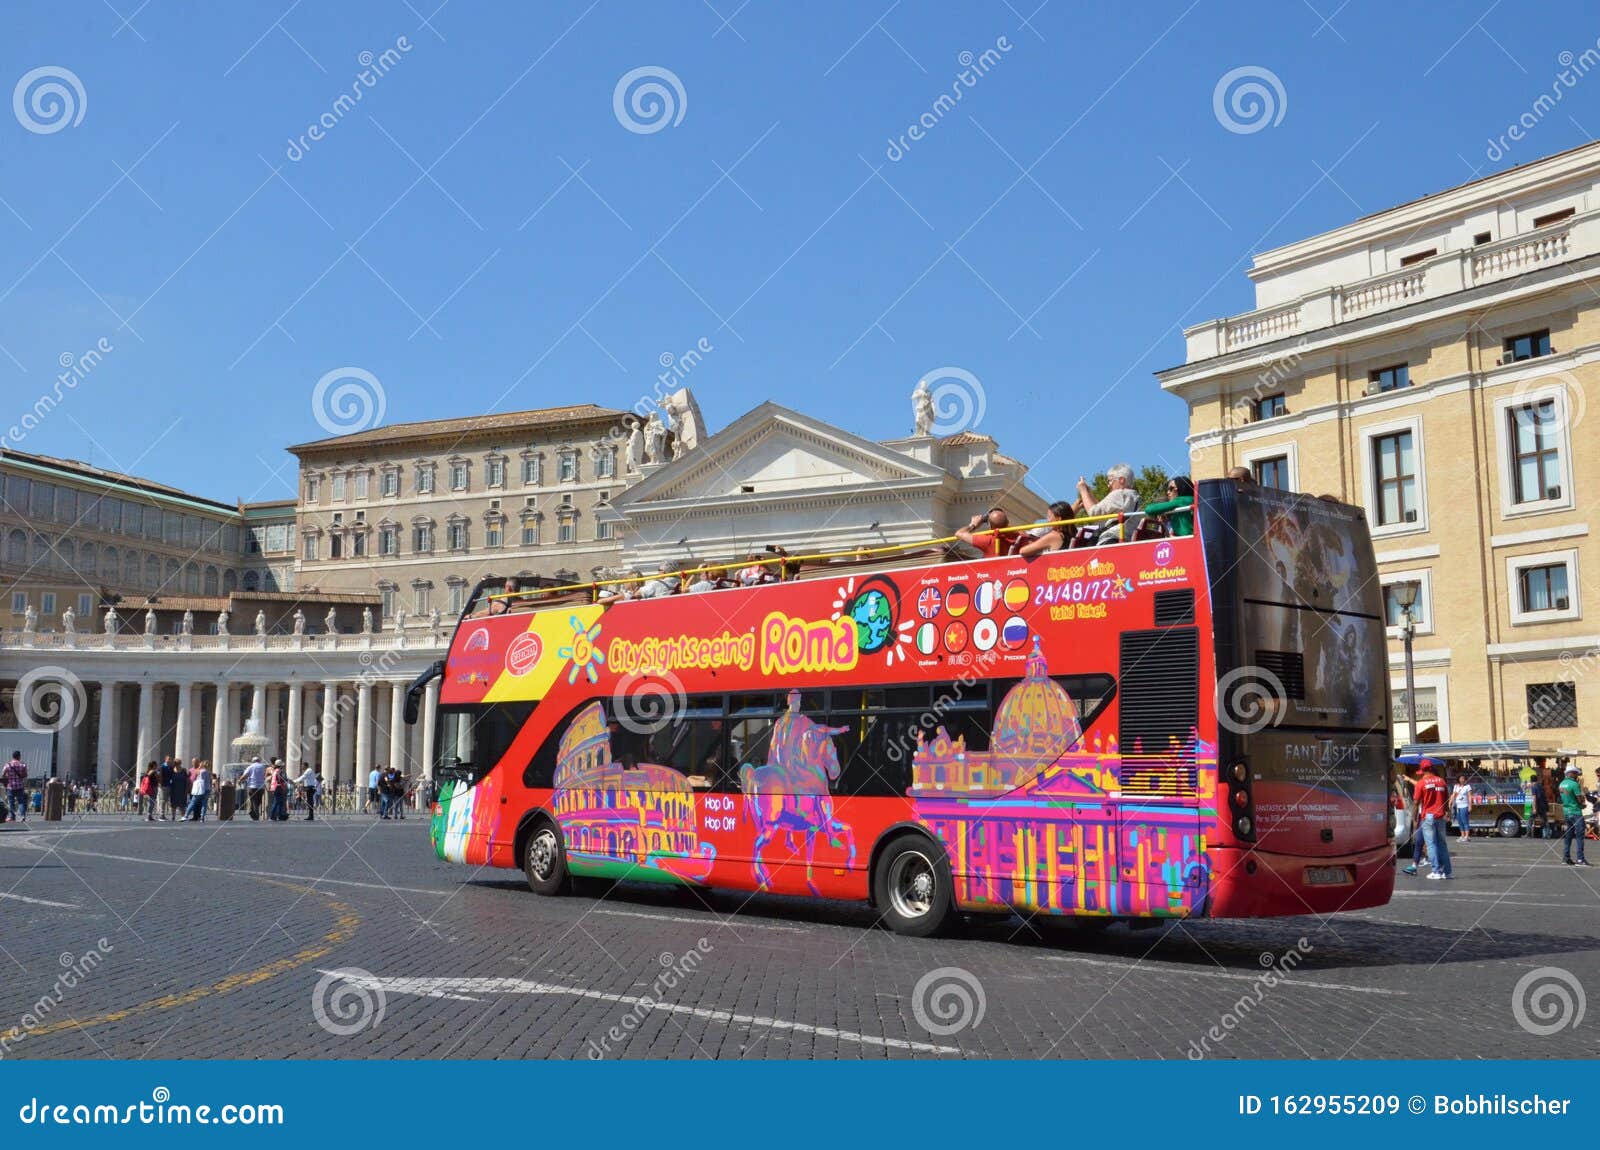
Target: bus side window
{"type": "Point", "coordinates": [874, 752]}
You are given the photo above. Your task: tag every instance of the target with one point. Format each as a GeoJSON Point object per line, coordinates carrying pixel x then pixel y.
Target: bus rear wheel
{"type": "Point", "coordinates": [544, 859]}
{"type": "Point", "coordinates": [911, 887]}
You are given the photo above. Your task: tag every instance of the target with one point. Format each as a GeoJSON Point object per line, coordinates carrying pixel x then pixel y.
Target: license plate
{"type": "Point", "coordinates": [1329, 876]}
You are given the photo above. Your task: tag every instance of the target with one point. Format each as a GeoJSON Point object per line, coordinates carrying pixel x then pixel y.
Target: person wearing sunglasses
{"type": "Point", "coordinates": [1177, 509]}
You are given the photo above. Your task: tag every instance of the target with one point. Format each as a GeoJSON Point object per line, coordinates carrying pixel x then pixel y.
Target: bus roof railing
{"type": "Point", "coordinates": [789, 566]}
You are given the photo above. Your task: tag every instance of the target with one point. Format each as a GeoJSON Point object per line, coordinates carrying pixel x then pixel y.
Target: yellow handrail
{"type": "Point", "coordinates": [853, 553]}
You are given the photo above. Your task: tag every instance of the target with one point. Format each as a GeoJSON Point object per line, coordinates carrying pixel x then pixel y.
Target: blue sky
{"type": "Point", "coordinates": [482, 232]}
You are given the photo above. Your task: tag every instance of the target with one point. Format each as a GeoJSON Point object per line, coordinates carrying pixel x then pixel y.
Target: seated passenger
{"type": "Point", "coordinates": [994, 540]}
{"type": "Point", "coordinates": [1177, 509]}
{"type": "Point", "coordinates": [628, 588]}
{"type": "Point", "coordinates": [1120, 500]}
{"type": "Point", "coordinates": [504, 599]}
{"type": "Point", "coordinates": [1050, 538]}
{"type": "Point", "coordinates": [666, 582]}
{"type": "Point", "coordinates": [759, 571]}
{"type": "Point", "coordinates": [702, 580]}
{"type": "Point", "coordinates": [1242, 474]}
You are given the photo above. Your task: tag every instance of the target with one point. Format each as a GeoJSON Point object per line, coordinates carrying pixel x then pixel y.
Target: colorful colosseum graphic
{"type": "Point", "coordinates": [618, 821]}
{"type": "Point", "coordinates": [1040, 822]}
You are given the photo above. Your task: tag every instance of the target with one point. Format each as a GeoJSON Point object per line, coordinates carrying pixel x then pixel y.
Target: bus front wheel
{"type": "Point", "coordinates": [544, 859]}
{"type": "Point", "coordinates": [911, 887]}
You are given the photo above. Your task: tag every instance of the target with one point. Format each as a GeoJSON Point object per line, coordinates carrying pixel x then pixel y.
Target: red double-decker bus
{"type": "Point", "coordinates": [1169, 727]}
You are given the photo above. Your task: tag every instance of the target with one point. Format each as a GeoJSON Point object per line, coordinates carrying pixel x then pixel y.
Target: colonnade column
{"type": "Point", "coordinates": [363, 731]}
{"type": "Point", "coordinates": [105, 765]}
{"type": "Point", "coordinates": [397, 727]}
{"type": "Point", "coordinates": [258, 707]}
{"type": "Point", "coordinates": [221, 721]}
{"type": "Point", "coordinates": [182, 744]}
{"type": "Point", "coordinates": [145, 745]}
{"type": "Point", "coordinates": [430, 710]}
{"type": "Point", "coordinates": [269, 726]}
{"type": "Point", "coordinates": [291, 734]}
{"type": "Point", "coordinates": [329, 726]}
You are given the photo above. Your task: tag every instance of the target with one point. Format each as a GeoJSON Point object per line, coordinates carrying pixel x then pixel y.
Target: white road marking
{"type": "Point", "coordinates": [313, 879]}
{"type": "Point", "coordinates": [710, 918]}
{"type": "Point", "coordinates": [459, 988]}
{"type": "Point", "coordinates": [1288, 978]}
{"type": "Point", "coordinates": [40, 901]}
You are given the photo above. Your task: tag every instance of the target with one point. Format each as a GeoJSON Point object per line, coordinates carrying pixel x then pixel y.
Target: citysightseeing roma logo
{"type": "Point", "coordinates": [783, 646]}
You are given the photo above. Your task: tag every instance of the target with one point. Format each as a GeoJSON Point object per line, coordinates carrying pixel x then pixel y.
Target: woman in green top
{"type": "Point", "coordinates": [1177, 508]}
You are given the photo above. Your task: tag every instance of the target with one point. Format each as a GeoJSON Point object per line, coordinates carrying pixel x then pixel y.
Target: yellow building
{"type": "Point", "coordinates": [1439, 364]}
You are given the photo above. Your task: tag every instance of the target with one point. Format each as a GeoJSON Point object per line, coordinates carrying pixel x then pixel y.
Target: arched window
{"type": "Point", "coordinates": [230, 582]}
{"type": "Point", "coordinates": [41, 553]}
{"type": "Point", "coordinates": [130, 568]}
{"type": "Point", "coordinates": [152, 572]}
{"type": "Point", "coordinates": [170, 583]}
{"type": "Point", "coordinates": [64, 554]}
{"type": "Point", "coordinates": [211, 581]}
{"type": "Point", "coordinates": [110, 569]}
{"type": "Point", "coordinates": [191, 579]}
{"type": "Point", "coordinates": [252, 581]}
{"type": "Point", "coordinates": [88, 558]}
{"type": "Point", "coordinates": [17, 548]}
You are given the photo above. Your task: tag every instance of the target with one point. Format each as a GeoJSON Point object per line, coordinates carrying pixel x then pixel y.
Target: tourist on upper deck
{"type": "Point", "coordinates": [1177, 509]}
{"type": "Point", "coordinates": [1051, 538]}
{"type": "Point", "coordinates": [991, 542]}
{"type": "Point", "coordinates": [501, 603]}
{"type": "Point", "coordinates": [704, 579]}
{"type": "Point", "coordinates": [1122, 499]}
{"type": "Point", "coordinates": [756, 573]}
{"type": "Point", "coordinates": [1242, 474]}
{"type": "Point", "coordinates": [666, 582]}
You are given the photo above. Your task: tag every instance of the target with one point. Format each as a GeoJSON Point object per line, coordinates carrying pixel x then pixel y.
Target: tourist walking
{"type": "Point", "coordinates": [254, 780]}
{"type": "Point", "coordinates": [199, 792]}
{"type": "Point", "coordinates": [1461, 800]}
{"type": "Point", "coordinates": [277, 792]}
{"type": "Point", "coordinates": [16, 780]}
{"type": "Point", "coordinates": [149, 788]}
{"type": "Point", "coordinates": [310, 784]}
{"type": "Point", "coordinates": [1572, 811]}
{"type": "Point", "coordinates": [1431, 791]}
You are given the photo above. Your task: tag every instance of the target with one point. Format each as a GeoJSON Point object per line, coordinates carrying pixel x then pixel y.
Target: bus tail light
{"type": "Point", "coordinates": [1238, 779]}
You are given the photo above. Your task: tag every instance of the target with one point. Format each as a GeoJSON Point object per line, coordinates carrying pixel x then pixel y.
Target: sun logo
{"type": "Point", "coordinates": [584, 651]}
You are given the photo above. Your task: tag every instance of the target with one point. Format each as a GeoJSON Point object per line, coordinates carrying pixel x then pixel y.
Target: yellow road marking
{"type": "Point", "coordinates": [344, 929]}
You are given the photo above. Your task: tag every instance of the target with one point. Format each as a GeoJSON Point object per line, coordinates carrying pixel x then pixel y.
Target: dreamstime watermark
{"type": "Point", "coordinates": [49, 699]}
{"type": "Point", "coordinates": [956, 401]}
{"type": "Point", "coordinates": [1573, 69]}
{"type": "Point", "coordinates": [48, 99]}
{"type": "Point", "coordinates": [1548, 1000]}
{"type": "Point", "coordinates": [1242, 410]}
{"type": "Point", "coordinates": [75, 968]}
{"type": "Point", "coordinates": [1248, 99]}
{"type": "Point", "coordinates": [675, 970]}
{"type": "Point", "coordinates": [1555, 402]}
{"type": "Point", "coordinates": [373, 69]}
{"type": "Point", "coordinates": [905, 744]}
{"type": "Point", "coordinates": [645, 703]}
{"type": "Point", "coordinates": [160, 1110]}
{"type": "Point", "coordinates": [373, 671]}
{"type": "Point", "coordinates": [347, 1001]}
{"type": "Point", "coordinates": [948, 1000]}
{"type": "Point", "coordinates": [973, 69]}
{"type": "Point", "coordinates": [648, 99]}
{"type": "Point", "coordinates": [1275, 970]}
{"type": "Point", "coordinates": [75, 369]}
{"type": "Point", "coordinates": [1250, 699]}
{"type": "Point", "coordinates": [347, 400]}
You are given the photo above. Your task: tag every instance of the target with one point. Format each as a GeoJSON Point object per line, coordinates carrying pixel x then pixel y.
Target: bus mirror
{"type": "Point", "coordinates": [414, 692]}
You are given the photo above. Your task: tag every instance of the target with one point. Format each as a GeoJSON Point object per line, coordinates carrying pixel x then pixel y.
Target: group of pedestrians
{"type": "Point", "coordinates": [387, 791]}
{"type": "Point", "coordinates": [270, 783]}
{"type": "Point", "coordinates": [174, 788]}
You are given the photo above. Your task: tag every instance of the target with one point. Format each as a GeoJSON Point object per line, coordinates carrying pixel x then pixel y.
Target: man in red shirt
{"type": "Point", "coordinates": [1430, 795]}
{"type": "Point", "coordinates": [994, 541]}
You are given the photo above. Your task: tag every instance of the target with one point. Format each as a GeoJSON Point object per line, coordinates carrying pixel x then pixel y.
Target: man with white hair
{"type": "Point", "coordinates": [1121, 499]}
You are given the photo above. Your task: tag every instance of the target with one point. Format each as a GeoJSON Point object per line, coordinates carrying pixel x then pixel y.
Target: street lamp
{"type": "Point", "coordinates": [1405, 597]}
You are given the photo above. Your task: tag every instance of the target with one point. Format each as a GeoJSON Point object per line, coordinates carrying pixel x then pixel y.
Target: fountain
{"type": "Point", "coordinates": [246, 747]}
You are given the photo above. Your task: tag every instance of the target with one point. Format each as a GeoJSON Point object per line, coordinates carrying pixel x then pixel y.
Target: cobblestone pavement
{"type": "Point", "coordinates": [216, 940]}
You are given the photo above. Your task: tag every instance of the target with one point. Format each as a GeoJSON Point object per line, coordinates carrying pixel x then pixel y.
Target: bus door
{"type": "Point", "coordinates": [1160, 847]}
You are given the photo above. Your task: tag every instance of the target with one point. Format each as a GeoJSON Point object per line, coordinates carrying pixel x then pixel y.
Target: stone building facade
{"type": "Point", "coordinates": [1439, 364]}
{"type": "Point", "coordinates": [419, 512]}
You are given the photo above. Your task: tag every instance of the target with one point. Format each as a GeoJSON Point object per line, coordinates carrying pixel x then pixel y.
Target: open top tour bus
{"type": "Point", "coordinates": [1180, 726]}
